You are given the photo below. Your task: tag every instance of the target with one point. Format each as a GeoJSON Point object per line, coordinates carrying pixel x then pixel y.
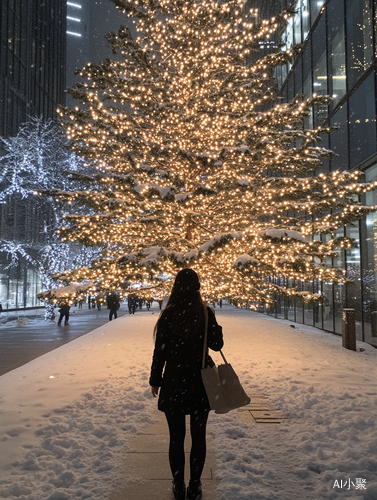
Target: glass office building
{"type": "Point", "coordinates": [32, 60]}
{"type": "Point", "coordinates": [32, 83]}
{"type": "Point", "coordinates": [338, 58]}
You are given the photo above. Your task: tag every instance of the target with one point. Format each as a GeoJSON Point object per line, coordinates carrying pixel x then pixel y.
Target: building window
{"type": "Point", "coordinates": [307, 80]}
{"type": "Point", "coordinates": [320, 70]}
{"type": "Point", "coordinates": [297, 23]}
{"type": "Point", "coordinates": [362, 122]}
{"type": "Point", "coordinates": [359, 38]}
{"type": "Point", "coordinates": [305, 13]}
{"type": "Point", "coordinates": [339, 140]}
{"type": "Point", "coordinates": [337, 51]}
{"type": "Point", "coordinates": [369, 263]}
{"type": "Point", "coordinates": [316, 6]}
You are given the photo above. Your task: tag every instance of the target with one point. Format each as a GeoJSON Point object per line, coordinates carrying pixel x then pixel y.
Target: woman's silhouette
{"type": "Point", "coordinates": [179, 339]}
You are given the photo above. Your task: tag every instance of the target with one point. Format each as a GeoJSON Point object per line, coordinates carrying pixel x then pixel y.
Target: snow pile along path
{"type": "Point", "coordinates": [67, 417]}
{"type": "Point", "coordinates": [330, 395]}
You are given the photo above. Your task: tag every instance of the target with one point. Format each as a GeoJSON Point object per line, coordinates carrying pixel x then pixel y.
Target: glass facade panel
{"type": "Point", "coordinates": [305, 13]}
{"type": "Point", "coordinates": [315, 8]}
{"type": "Point", "coordinates": [328, 306]}
{"type": "Point", "coordinates": [320, 70]}
{"type": "Point", "coordinates": [353, 289]}
{"type": "Point", "coordinates": [291, 87]}
{"type": "Point", "coordinates": [336, 60]}
{"type": "Point", "coordinates": [339, 140]}
{"type": "Point", "coordinates": [359, 22]}
{"type": "Point", "coordinates": [369, 264]}
{"type": "Point", "coordinates": [308, 306]}
{"type": "Point", "coordinates": [299, 306]}
{"type": "Point", "coordinates": [318, 306]}
{"type": "Point", "coordinates": [307, 80]}
{"type": "Point", "coordinates": [289, 34]}
{"type": "Point", "coordinates": [362, 121]}
{"type": "Point", "coordinates": [339, 289]}
{"type": "Point", "coordinates": [325, 143]}
{"type": "Point", "coordinates": [291, 314]}
{"type": "Point", "coordinates": [298, 77]}
{"type": "Point", "coordinates": [337, 51]}
{"type": "Point", "coordinates": [297, 23]}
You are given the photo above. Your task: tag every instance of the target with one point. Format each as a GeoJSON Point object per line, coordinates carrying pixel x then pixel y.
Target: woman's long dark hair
{"type": "Point", "coordinates": [185, 304]}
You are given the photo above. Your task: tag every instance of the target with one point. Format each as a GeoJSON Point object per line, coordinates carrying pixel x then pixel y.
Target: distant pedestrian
{"type": "Point", "coordinates": [64, 312]}
{"type": "Point", "coordinates": [140, 304]}
{"type": "Point", "coordinates": [160, 301]}
{"type": "Point", "coordinates": [98, 301]}
{"type": "Point", "coordinates": [80, 303]}
{"type": "Point", "coordinates": [113, 303]}
{"type": "Point", "coordinates": [131, 304]}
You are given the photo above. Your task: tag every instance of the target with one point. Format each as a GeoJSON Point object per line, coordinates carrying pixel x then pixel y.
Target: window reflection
{"type": "Point", "coordinates": [353, 274]}
{"type": "Point", "coordinates": [307, 81]}
{"type": "Point", "coordinates": [297, 23]}
{"type": "Point", "coordinates": [362, 122]}
{"type": "Point", "coordinates": [359, 37]}
{"type": "Point", "coordinates": [320, 70]}
{"type": "Point", "coordinates": [305, 18]}
{"type": "Point", "coordinates": [316, 6]}
{"type": "Point", "coordinates": [337, 52]}
{"type": "Point", "coordinates": [369, 264]}
{"type": "Point", "coordinates": [339, 140]}
{"type": "Point", "coordinates": [339, 289]}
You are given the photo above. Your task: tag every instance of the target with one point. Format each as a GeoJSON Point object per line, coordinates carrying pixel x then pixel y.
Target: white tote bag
{"type": "Point", "coordinates": [223, 387]}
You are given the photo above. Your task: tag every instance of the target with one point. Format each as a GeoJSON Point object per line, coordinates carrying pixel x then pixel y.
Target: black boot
{"type": "Point", "coordinates": [194, 490]}
{"type": "Point", "coordinates": [179, 491]}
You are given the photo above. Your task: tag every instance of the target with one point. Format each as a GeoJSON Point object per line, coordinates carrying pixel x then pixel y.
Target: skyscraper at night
{"type": "Point", "coordinates": [32, 60]}
{"type": "Point", "coordinates": [32, 83]}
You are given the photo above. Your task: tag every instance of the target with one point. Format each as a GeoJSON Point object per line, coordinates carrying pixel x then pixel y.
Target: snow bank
{"type": "Point", "coordinates": [66, 417]}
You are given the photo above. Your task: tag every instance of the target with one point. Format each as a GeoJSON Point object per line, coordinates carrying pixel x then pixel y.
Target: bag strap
{"type": "Point", "coordinates": [225, 361]}
{"type": "Point", "coordinates": [205, 346]}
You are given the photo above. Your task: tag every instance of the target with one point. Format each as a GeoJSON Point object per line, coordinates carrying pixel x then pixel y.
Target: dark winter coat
{"type": "Point", "coordinates": [182, 389]}
{"type": "Point", "coordinates": [113, 302]}
{"type": "Point", "coordinates": [64, 308]}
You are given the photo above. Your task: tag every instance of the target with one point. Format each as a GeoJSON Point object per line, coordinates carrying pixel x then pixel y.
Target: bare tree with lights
{"type": "Point", "coordinates": [199, 163]}
{"type": "Point", "coordinates": [35, 159]}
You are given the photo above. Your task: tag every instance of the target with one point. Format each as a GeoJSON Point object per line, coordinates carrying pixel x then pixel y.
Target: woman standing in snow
{"type": "Point", "coordinates": [179, 338]}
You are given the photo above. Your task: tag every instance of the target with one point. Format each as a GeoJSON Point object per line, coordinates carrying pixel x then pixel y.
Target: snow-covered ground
{"type": "Point", "coordinates": [66, 417]}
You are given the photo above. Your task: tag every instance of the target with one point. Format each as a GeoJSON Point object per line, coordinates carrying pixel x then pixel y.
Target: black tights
{"type": "Point", "coordinates": [177, 431]}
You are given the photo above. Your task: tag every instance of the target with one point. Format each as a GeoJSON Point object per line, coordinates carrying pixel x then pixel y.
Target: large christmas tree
{"type": "Point", "coordinates": [199, 162]}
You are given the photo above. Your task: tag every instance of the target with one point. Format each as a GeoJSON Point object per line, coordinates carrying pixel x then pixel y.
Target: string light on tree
{"type": "Point", "coordinates": [198, 162]}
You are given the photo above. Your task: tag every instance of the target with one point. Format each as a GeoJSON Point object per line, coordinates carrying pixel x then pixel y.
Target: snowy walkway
{"type": "Point", "coordinates": [69, 418]}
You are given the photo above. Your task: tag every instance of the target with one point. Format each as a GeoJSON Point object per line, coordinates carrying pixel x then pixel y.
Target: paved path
{"type": "Point", "coordinates": [145, 470]}
{"type": "Point", "coordinates": [21, 344]}
{"type": "Point", "coordinates": [145, 467]}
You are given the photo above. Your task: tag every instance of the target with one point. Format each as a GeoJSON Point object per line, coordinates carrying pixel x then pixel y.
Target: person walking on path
{"type": "Point", "coordinates": [113, 304]}
{"type": "Point", "coordinates": [64, 312]}
{"type": "Point", "coordinates": [176, 369]}
{"type": "Point", "coordinates": [131, 304]}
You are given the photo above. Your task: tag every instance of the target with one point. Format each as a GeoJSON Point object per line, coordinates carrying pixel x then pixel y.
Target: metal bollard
{"type": "Point", "coordinates": [349, 329]}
